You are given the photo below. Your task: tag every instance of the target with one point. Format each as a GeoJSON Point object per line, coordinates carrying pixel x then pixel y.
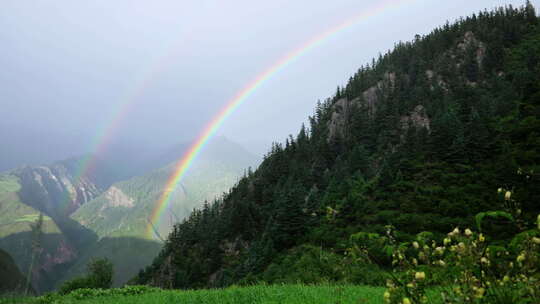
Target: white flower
{"type": "Point", "coordinates": [420, 275]}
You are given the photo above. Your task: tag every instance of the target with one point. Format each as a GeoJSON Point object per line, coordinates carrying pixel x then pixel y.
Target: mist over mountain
{"type": "Point", "coordinates": [105, 212]}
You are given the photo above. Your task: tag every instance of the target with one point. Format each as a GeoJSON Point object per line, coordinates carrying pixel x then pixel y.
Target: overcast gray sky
{"type": "Point", "coordinates": [67, 66]}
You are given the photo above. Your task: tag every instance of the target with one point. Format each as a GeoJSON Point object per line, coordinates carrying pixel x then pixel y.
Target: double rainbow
{"type": "Point", "coordinates": [211, 128]}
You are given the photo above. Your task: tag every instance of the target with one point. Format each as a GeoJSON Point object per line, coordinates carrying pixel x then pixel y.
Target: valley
{"type": "Point", "coordinates": [85, 219]}
{"type": "Point", "coordinates": [416, 181]}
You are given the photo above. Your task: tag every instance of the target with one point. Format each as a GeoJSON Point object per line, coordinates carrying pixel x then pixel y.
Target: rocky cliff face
{"type": "Point", "coordinates": [417, 116]}
{"type": "Point", "coordinates": [54, 190]}
{"type": "Point", "coordinates": [368, 101]}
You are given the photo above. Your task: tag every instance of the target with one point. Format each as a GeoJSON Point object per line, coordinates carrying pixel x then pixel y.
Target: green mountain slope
{"type": "Point", "coordinates": [125, 207]}
{"type": "Point", "coordinates": [16, 237]}
{"type": "Point", "coordinates": [119, 216]}
{"type": "Point", "coordinates": [420, 140]}
{"type": "Point", "coordinates": [56, 191]}
{"type": "Point", "coordinates": [123, 210]}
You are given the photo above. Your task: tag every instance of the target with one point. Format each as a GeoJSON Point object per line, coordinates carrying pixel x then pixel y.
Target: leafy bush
{"type": "Point", "coordinates": [100, 274]}
{"type": "Point", "coordinates": [80, 293]}
{"type": "Point", "coordinates": [84, 293]}
{"type": "Point", "coordinates": [305, 264]}
{"type": "Point", "coordinates": [74, 284]}
{"type": "Point", "coordinates": [48, 298]}
{"type": "Point", "coordinates": [135, 290]}
{"type": "Point", "coordinates": [479, 272]}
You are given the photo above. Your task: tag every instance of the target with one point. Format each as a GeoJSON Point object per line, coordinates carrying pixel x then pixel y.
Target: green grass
{"type": "Point", "coordinates": [9, 183]}
{"type": "Point", "coordinates": [283, 294]}
{"type": "Point", "coordinates": [31, 218]}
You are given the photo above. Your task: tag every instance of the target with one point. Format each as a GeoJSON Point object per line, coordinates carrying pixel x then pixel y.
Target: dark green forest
{"type": "Point", "coordinates": [418, 141]}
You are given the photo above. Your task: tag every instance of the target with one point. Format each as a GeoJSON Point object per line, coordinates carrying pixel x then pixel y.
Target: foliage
{"type": "Point", "coordinates": [100, 274]}
{"type": "Point", "coordinates": [480, 217]}
{"type": "Point", "coordinates": [37, 233]}
{"type": "Point", "coordinates": [479, 271]}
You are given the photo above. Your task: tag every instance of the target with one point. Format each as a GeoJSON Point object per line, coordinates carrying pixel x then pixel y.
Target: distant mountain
{"type": "Point", "coordinates": [219, 149]}
{"type": "Point", "coordinates": [56, 190]}
{"type": "Point", "coordinates": [119, 216]}
{"type": "Point", "coordinates": [123, 209]}
{"type": "Point", "coordinates": [98, 215]}
{"type": "Point", "coordinates": [53, 191]}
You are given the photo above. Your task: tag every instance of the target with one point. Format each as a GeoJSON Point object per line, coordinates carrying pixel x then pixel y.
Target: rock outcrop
{"type": "Point", "coordinates": [117, 198]}
{"type": "Point", "coordinates": [417, 118]}
{"type": "Point", "coordinates": [53, 190]}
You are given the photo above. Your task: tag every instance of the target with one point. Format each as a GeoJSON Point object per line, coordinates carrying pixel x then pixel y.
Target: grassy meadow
{"type": "Point", "coordinates": [283, 294]}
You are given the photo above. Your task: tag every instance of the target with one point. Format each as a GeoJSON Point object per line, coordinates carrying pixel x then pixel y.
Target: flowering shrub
{"type": "Point", "coordinates": [479, 272]}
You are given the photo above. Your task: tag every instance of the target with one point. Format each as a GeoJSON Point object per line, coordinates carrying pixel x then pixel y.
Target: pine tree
{"type": "Point", "coordinates": [36, 229]}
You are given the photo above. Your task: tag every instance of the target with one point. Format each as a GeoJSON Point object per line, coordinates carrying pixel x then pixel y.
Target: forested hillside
{"type": "Point", "coordinates": [418, 140]}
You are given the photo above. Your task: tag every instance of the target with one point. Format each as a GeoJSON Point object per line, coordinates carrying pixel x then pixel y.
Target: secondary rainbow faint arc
{"type": "Point", "coordinates": [211, 128]}
{"type": "Point", "coordinates": [105, 134]}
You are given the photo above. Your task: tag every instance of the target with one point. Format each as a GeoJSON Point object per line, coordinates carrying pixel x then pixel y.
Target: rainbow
{"type": "Point", "coordinates": [106, 133]}
{"type": "Point", "coordinates": [212, 127]}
